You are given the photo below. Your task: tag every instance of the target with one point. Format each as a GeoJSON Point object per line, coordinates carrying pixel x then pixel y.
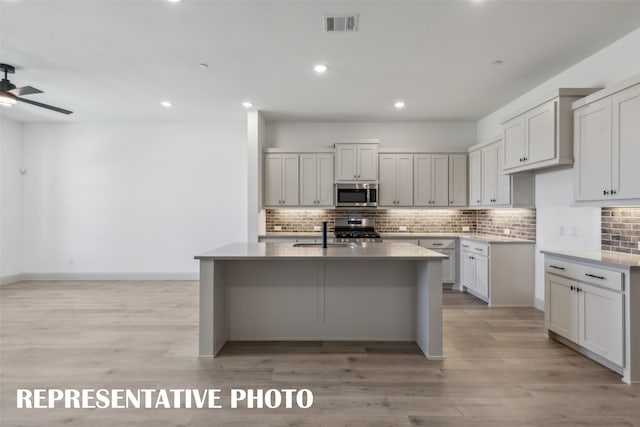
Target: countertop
{"type": "Point", "coordinates": [286, 250]}
{"type": "Point", "coordinates": [488, 238]}
{"type": "Point", "coordinates": [606, 258]}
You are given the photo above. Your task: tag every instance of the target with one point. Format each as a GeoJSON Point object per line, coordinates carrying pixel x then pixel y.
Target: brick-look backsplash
{"type": "Point", "coordinates": [621, 229]}
{"type": "Point", "coordinates": [522, 222]}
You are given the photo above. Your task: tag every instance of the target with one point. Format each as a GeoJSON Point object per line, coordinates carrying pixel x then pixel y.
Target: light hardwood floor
{"type": "Point", "coordinates": [499, 369]}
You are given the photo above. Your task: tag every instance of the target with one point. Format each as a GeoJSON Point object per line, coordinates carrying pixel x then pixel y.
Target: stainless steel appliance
{"type": "Point", "coordinates": [357, 195]}
{"type": "Point", "coordinates": [356, 230]}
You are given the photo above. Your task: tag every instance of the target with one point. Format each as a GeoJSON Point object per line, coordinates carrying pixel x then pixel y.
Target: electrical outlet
{"type": "Point", "coordinates": [277, 228]}
{"type": "Point", "coordinates": [506, 231]}
{"type": "Point", "coordinates": [317, 228]}
{"type": "Point", "coordinates": [638, 245]}
{"type": "Point", "coordinates": [466, 229]}
{"type": "Point", "coordinates": [402, 228]}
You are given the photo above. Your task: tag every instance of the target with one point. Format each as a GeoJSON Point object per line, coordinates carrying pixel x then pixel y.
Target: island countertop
{"type": "Point", "coordinates": [286, 250]}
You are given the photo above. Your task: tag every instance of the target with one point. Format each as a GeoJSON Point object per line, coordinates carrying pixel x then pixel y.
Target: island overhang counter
{"type": "Point", "coordinates": [275, 291]}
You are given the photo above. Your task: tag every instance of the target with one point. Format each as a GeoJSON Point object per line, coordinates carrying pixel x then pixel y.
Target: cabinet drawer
{"type": "Point", "coordinates": [438, 243]}
{"type": "Point", "coordinates": [585, 273]}
{"type": "Point", "coordinates": [474, 247]}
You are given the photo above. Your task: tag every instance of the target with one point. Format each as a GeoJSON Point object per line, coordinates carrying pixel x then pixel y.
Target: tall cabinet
{"type": "Point", "coordinates": [607, 145]}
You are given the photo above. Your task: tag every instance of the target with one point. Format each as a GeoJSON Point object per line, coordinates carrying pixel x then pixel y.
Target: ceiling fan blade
{"type": "Point", "coordinates": [48, 107]}
{"type": "Point", "coordinates": [26, 90]}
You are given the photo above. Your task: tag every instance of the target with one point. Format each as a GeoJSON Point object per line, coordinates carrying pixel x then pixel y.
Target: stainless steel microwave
{"type": "Point", "coordinates": [357, 195]}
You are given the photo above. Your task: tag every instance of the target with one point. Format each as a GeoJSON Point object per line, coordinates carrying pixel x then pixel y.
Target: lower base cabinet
{"type": "Point", "coordinates": [501, 273]}
{"type": "Point", "coordinates": [591, 316]}
{"type": "Point", "coordinates": [449, 265]}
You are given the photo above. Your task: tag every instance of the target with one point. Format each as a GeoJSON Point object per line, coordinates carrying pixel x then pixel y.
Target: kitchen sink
{"type": "Point", "coordinates": [329, 245]}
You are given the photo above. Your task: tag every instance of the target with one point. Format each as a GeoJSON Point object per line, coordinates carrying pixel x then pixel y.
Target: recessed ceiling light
{"type": "Point", "coordinates": [247, 104]}
{"type": "Point", "coordinates": [497, 63]}
{"type": "Point", "coordinates": [174, 1]}
{"type": "Point", "coordinates": [320, 68]}
{"type": "Point", "coordinates": [399, 105]}
{"type": "Point", "coordinates": [203, 66]}
{"type": "Point", "coordinates": [166, 104]}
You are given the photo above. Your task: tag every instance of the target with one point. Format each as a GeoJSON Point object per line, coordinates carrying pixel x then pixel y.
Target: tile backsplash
{"type": "Point", "coordinates": [521, 222]}
{"type": "Point", "coordinates": [621, 229]}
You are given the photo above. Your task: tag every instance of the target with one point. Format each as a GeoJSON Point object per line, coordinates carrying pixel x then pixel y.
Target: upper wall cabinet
{"type": "Point", "coordinates": [431, 180]}
{"type": "Point", "coordinates": [607, 145]}
{"type": "Point", "coordinates": [489, 186]}
{"type": "Point", "coordinates": [396, 180]}
{"type": "Point", "coordinates": [541, 136]}
{"type": "Point", "coordinates": [281, 180]}
{"type": "Point", "coordinates": [457, 180]}
{"type": "Point", "coordinates": [422, 180]}
{"type": "Point", "coordinates": [356, 162]}
{"type": "Point", "coordinates": [316, 179]}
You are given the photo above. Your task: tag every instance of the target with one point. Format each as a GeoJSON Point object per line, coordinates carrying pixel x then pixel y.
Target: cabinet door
{"type": "Point", "coordinates": [541, 132]}
{"type": "Point", "coordinates": [367, 160]}
{"type": "Point", "coordinates": [562, 306]}
{"type": "Point", "coordinates": [601, 322]}
{"type": "Point", "coordinates": [458, 180]}
{"type": "Point", "coordinates": [592, 151]}
{"type": "Point", "coordinates": [449, 266]}
{"type": "Point", "coordinates": [440, 180]}
{"type": "Point", "coordinates": [626, 144]}
{"type": "Point", "coordinates": [290, 179]}
{"type": "Point", "coordinates": [308, 180]}
{"type": "Point", "coordinates": [387, 184]}
{"type": "Point", "coordinates": [513, 135]}
{"type": "Point", "coordinates": [404, 182]}
{"type": "Point", "coordinates": [503, 182]}
{"type": "Point", "coordinates": [475, 179]}
{"type": "Point", "coordinates": [489, 175]}
{"type": "Point", "coordinates": [324, 175]}
{"type": "Point", "coordinates": [482, 275]}
{"type": "Point", "coordinates": [422, 174]}
{"type": "Point", "coordinates": [346, 155]}
{"type": "Point", "coordinates": [467, 270]}
{"type": "Point", "coordinates": [273, 180]}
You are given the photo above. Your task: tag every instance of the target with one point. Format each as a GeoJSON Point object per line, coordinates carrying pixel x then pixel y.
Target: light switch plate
{"type": "Point", "coordinates": [277, 228]}
{"type": "Point", "coordinates": [506, 231]}
{"type": "Point", "coordinates": [317, 228]}
{"type": "Point", "coordinates": [402, 228]}
{"type": "Point", "coordinates": [466, 229]}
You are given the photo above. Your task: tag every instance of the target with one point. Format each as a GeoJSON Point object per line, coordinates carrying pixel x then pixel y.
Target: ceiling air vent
{"type": "Point", "coordinates": [341, 23]}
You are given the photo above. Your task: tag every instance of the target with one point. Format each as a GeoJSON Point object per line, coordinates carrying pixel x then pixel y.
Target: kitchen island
{"type": "Point", "coordinates": [277, 291]}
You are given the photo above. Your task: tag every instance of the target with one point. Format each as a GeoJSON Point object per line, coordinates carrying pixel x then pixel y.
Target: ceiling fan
{"type": "Point", "coordinates": [10, 94]}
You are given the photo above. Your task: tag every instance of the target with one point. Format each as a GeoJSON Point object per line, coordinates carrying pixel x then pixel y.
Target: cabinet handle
{"type": "Point", "coordinates": [471, 257]}
{"type": "Point", "coordinates": [479, 249]}
{"type": "Point", "coordinates": [594, 276]}
{"type": "Point", "coordinates": [436, 244]}
{"type": "Point", "coordinates": [605, 192]}
{"type": "Point", "coordinates": [613, 191]}
{"type": "Point", "coordinates": [477, 201]}
{"type": "Point", "coordinates": [578, 289]}
{"type": "Point", "coordinates": [572, 288]}
{"type": "Point", "coordinates": [526, 158]}
{"type": "Point", "coordinates": [451, 202]}
{"type": "Point", "coordinates": [465, 246]}
{"type": "Point", "coordinates": [556, 267]}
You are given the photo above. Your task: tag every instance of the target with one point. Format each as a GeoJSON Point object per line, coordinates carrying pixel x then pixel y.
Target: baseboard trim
{"type": "Point", "coordinates": [538, 303]}
{"type": "Point", "coordinates": [108, 276]}
{"type": "Point", "coordinates": [6, 280]}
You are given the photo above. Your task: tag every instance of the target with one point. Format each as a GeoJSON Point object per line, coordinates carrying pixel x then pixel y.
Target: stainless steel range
{"type": "Point", "coordinates": [355, 230]}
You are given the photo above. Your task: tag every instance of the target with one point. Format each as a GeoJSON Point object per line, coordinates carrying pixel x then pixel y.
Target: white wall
{"type": "Point", "coordinates": [560, 226]}
{"type": "Point", "coordinates": [11, 198]}
{"type": "Point", "coordinates": [427, 136]}
{"type": "Point", "coordinates": [131, 198]}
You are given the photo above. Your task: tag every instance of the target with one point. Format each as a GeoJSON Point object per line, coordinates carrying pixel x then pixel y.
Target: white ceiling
{"type": "Point", "coordinates": [116, 60]}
